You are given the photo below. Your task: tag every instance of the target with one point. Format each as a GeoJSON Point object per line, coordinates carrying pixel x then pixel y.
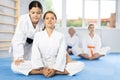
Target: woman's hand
{"type": "Point", "coordinates": [51, 72]}
{"type": "Point", "coordinates": [18, 61]}
{"type": "Point", "coordinates": [48, 72]}
{"type": "Point", "coordinates": [45, 72]}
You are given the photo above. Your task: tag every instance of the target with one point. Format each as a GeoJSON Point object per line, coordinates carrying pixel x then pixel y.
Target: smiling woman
{"type": "Point", "coordinates": [35, 14]}
{"type": "Point", "coordinates": [27, 26]}
{"type": "Point", "coordinates": [49, 51]}
{"type": "Point", "coordinates": [50, 20]}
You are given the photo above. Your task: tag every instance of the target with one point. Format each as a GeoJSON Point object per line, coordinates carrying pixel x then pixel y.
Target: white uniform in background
{"type": "Point", "coordinates": [74, 43]}
{"type": "Point", "coordinates": [51, 52]}
{"type": "Point", "coordinates": [96, 42]}
{"type": "Point", "coordinates": [20, 48]}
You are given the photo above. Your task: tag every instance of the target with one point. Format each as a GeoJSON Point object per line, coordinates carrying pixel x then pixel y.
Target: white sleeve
{"type": "Point", "coordinates": [18, 40]}
{"type": "Point", "coordinates": [98, 44]}
{"type": "Point", "coordinates": [61, 56]}
{"type": "Point", "coordinates": [77, 43]}
{"type": "Point", "coordinates": [84, 45]}
{"type": "Point", "coordinates": [36, 57]}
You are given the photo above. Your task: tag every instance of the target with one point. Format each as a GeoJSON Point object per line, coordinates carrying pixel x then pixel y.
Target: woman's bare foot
{"type": "Point", "coordinates": [85, 56]}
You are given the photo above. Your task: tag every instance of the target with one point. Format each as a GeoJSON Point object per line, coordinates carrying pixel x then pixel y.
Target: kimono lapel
{"type": "Point", "coordinates": [31, 29]}
{"type": "Point", "coordinates": [51, 36]}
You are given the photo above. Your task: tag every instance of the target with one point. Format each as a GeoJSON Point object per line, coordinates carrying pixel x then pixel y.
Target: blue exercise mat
{"type": "Point", "coordinates": [105, 68]}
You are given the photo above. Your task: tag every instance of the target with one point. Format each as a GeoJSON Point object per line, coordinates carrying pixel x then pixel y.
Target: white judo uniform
{"type": "Point", "coordinates": [74, 42]}
{"type": "Point", "coordinates": [96, 42]}
{"type": "Point", "coordinates": [51, 52]}
{"type": "Point", "coordinates": [20, 48]}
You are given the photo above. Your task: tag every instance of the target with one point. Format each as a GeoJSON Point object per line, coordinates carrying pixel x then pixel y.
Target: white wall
{"type": "Point", "coordinates": [118, 14]}
{"type": "Point", "coordinates": [109, 37]}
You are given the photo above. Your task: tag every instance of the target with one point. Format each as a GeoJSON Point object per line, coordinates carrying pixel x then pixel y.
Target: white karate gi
{"type": "Point", "coordinates": [74, 43]}
{"type": "Point", "coordinates": [21, 49]}
{"type": "Point", "coordinates": [51, 52]}
{"type": "Point", "coordinates": [95, 41]}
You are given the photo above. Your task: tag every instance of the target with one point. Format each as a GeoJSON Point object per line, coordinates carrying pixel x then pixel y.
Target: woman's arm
{"type": "Point", "coordinates": [18, 40]}
{"type": "Point", "coordinates": [36, 57]}
{"type": "Point", "coordinates": [61, 56]}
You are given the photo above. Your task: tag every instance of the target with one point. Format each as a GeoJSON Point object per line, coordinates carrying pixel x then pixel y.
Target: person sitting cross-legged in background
{"type": "Point", "coordinates": [72, 41]}
{"type": "Point", "coordinates": [91, 45]}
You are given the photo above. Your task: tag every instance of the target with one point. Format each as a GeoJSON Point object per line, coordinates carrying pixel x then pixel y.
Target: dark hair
{"type": "Point", "coordinates": [90, 25]}
{"type": "Point", "coordinates": [45, 16]}
{"type": "Point", "coordinates": [51, 13]}
{"type": "Point", "coordinates": [35, 4]}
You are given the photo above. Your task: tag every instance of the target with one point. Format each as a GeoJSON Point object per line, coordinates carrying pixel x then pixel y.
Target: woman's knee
{"type": "Point", "coordinates": [13, 67]}
{"type": "Point", "coordinates": [74, 67]}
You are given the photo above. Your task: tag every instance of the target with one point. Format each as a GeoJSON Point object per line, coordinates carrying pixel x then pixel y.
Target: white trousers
{"type": "Point", "coordinates": [25, 67]}
{"type": "Point", "coordinates": [76, 51]}
{"type": "Point", "coordinates": [74, 67]}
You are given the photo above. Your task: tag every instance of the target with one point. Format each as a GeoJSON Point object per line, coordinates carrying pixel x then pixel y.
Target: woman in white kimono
{"type": "Point", "coordinates": [49, 51]}
{"type": "Point", "coordinates": [72, 42]}
{"type": "Point", "coordinates": [27, 26]}
{"type": "Point", "coordinates": [92, 45]}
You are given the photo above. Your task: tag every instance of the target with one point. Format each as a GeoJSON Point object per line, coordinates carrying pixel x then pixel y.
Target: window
{"type": "Point", "coordinates": [74, 13]}
{"type": "Point", "coordinates": [80, 13]}
{"type": "Point", "coordinates": [108, 13]}
{"type": "Point", "coordinates": [56, 6]}
{"type": "Point", "coordinates": [91, 12]}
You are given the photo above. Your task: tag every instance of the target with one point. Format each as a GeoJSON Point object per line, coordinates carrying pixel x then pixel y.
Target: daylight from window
{"type": "Point", "coordinates": [93, 11]}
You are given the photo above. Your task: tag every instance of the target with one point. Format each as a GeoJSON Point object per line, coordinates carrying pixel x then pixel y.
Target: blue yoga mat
{"type": "Point", "coordinates": [105, 68]}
